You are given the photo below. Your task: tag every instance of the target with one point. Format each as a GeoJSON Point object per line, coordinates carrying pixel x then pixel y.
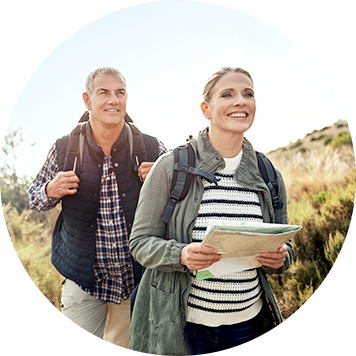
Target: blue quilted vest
{"type": "Point", "coordinates": [74, 234]}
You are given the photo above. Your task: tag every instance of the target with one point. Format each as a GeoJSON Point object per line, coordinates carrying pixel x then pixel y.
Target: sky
{"type": "Point", "coordinates": [301, 58]}
{"type": "Point", "coordinates": [167, 50]}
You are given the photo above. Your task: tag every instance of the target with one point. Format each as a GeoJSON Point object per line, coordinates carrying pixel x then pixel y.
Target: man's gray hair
{"type": "Point", "coordinates": [102, 70]}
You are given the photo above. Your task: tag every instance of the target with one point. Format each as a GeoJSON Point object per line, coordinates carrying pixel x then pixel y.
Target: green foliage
{"type": "Point", "coordinates": [344, 138]}
{"type": "Point", "coordinates": [325, 218]}
{"type": "Point", "coordinates": [303, 150]}
{"type": "Point", "coordinates": [327, 140]}
{"type": "Point", "coordinates": [341, 125]}
{"type": "Point", "coordinates": [13, 188]}
{"type": "Point", "coordinates": [321, 198]}
{"type": "Point", "coordinates": [318, 138]}
{"type": "Point", "coordinates": [296, 144]}
{"type": "Point", "coordinates": [333, 246]}
{"type": "Point", "coordinates": [31, 239]}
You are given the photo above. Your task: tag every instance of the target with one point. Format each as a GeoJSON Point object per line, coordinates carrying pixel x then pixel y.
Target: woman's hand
{"type": "Point", "coordinates": [274, 259]}
{"type": "Point", "coordinates": [195, 256]}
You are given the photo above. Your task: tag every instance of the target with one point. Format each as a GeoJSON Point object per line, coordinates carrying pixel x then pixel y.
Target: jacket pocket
{"type": "Point", "coordinates": [164, 317]}
{"type": "Point", "coordinates": [162, 304]}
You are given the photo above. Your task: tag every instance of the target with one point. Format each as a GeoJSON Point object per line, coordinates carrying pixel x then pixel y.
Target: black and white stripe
{"type": "Point", "coordinates": [232, 298]}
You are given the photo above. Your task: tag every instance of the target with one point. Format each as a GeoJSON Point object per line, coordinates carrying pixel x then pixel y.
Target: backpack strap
{"type": "Point", "coordinates": [269, 175]}
{"type": "Point", "coordinates": [183, 172]}
{"type": "Point", "coordinates": [138, 152]}
{"type": "Point", "coordinates": [75, 148]}
{"type": "Point", "coordinates": [76, 140]}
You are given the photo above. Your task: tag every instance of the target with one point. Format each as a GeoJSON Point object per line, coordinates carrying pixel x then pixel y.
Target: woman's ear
{"type": "Point", "coordinates": [205, 109]}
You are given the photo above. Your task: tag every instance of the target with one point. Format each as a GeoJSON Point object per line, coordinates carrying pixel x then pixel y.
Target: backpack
{"type": "Point", "coordinates": [74, 154]}
{"type": "Point", "coordinates": [184, 171]}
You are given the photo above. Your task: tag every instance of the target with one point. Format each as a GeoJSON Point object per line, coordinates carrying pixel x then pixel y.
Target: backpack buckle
{"type": "Point", "coordinates": [183, 168]}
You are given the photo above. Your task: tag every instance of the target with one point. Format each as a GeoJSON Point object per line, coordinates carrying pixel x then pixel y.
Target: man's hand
{"type": "Point", "coordinates": [195, 256]}
{"type": "Point", "coordinates": [144, 169]}
{"type": "Point", "coordinates": [64, 183]}
{"type": "Point", "coordinates": [274, 260]}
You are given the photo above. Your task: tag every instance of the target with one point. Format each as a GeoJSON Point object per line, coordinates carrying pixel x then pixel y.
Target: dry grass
{"type": "Point", "coordinates": [315, 171]}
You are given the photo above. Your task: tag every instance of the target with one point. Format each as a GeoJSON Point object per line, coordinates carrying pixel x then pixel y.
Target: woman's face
{"type": "Point", "coordinates": [232, 105]}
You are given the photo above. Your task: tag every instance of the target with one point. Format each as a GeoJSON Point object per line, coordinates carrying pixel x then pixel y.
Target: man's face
{"type": "Point", "coordinates": [107, 103]}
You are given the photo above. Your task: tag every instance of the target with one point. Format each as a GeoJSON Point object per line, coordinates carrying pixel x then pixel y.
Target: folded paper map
{"type": "Point", "coordinates": [240, 242]}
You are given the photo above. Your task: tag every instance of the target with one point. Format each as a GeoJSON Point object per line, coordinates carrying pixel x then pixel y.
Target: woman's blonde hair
{"type": "Point", "coordinates": [215, 78]}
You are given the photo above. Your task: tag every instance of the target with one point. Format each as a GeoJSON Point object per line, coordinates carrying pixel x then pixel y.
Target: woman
{"type": "Point", "coordinates": [174, 313]}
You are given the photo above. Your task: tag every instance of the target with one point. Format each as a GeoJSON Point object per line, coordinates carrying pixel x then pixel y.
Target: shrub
{"type": "Point", "coordinates": [31, 238]}
{"type": "Point", "coordinates": [321, 198]}
{"type": "Point", "coordinates": [327, 140]}
{"type": "Point", "coordinates": [303, 150]}
{"type": "Point", "coordinates": [317, 245]}
{"type": "Point", "coordinates": [296, 144]}
{"type": "Point", "coordinates": [343, 139]}
{"type": "Point", "coordinates": [318, 138]}
{"type": "Point", "coordinates": [333, 247]}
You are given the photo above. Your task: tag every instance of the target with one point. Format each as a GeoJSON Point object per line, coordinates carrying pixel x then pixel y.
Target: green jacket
{"type": "Point", "coordinates": [160, 311]}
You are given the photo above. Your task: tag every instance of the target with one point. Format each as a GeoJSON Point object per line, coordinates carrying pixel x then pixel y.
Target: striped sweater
{"type": "Point", "coordinates": [236, 297]}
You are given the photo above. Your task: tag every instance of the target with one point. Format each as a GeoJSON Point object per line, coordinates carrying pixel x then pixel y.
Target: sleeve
{"type": "Point", "coordinates": [38, 199]}
{"type": "Point", "coordinates": [149, 244]}
{"type": "Point", "coordinates": [162, 148]}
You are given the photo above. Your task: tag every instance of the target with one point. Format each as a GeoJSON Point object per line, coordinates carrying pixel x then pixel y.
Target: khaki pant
{"type": "Point", "coordinates": [108, 321]}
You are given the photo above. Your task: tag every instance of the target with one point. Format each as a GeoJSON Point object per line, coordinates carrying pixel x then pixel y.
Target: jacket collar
{"type": "Point", "coordinates": [247, 174]}
{"type": "Point", "coordinates": [208, 159]}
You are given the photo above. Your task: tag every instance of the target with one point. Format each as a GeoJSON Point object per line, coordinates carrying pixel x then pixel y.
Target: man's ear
{"type": "Point", "coordinates": [205, 109]}
{"type": "Point", "coordinates": [86, 99]}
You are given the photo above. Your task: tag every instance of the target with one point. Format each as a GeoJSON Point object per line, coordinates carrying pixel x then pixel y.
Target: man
{"type": "Point", "coordinates": [90, 239]}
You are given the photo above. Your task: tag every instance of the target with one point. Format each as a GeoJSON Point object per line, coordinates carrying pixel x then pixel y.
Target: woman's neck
{"type": "Point", "coordinates": [228, 145]}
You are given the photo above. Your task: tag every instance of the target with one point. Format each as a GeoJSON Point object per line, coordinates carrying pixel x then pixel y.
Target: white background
{"type": "Point", "coordinates": [31, 30]}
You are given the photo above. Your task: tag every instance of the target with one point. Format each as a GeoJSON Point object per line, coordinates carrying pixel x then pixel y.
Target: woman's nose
{"type": "Point", "coordinates": [240, 101]}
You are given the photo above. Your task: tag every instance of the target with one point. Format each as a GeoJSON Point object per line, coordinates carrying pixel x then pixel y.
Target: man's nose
{"type": "Point", "coordinates": [113, 98]}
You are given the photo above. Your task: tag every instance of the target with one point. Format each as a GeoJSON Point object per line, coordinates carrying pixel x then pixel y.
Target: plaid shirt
{"type": "Point", "coordinates": [113, 270]}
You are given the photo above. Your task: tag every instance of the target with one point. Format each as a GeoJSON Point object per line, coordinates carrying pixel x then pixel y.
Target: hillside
{"type": "Point", "coordinates": [318, 139]}
{"type": "Point", "coordinates": [318, 162]}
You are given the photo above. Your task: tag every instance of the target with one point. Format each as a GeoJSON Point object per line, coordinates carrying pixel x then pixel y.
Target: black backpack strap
{"type": "Point", "coordinates": [183, 173]}
{"type": "Point", "coordinates": [75, 148]}
{"type": "Point", "coordinates": [138, 152]}
{"type": "Point", "coordinates": [269, 175]}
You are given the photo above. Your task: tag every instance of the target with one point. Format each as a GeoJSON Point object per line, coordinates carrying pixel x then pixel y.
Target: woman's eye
{"type": "Point", "coordinates": [225, 95]}
{"type": "Point", "coordinates": [249, 95]}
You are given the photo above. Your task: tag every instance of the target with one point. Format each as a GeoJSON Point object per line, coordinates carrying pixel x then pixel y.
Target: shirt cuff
{"type": "Point", "coordinates": [45, 199]}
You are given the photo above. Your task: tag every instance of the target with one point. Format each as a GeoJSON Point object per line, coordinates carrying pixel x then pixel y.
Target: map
{"type": "Point", "coordinates": [240, 242]}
